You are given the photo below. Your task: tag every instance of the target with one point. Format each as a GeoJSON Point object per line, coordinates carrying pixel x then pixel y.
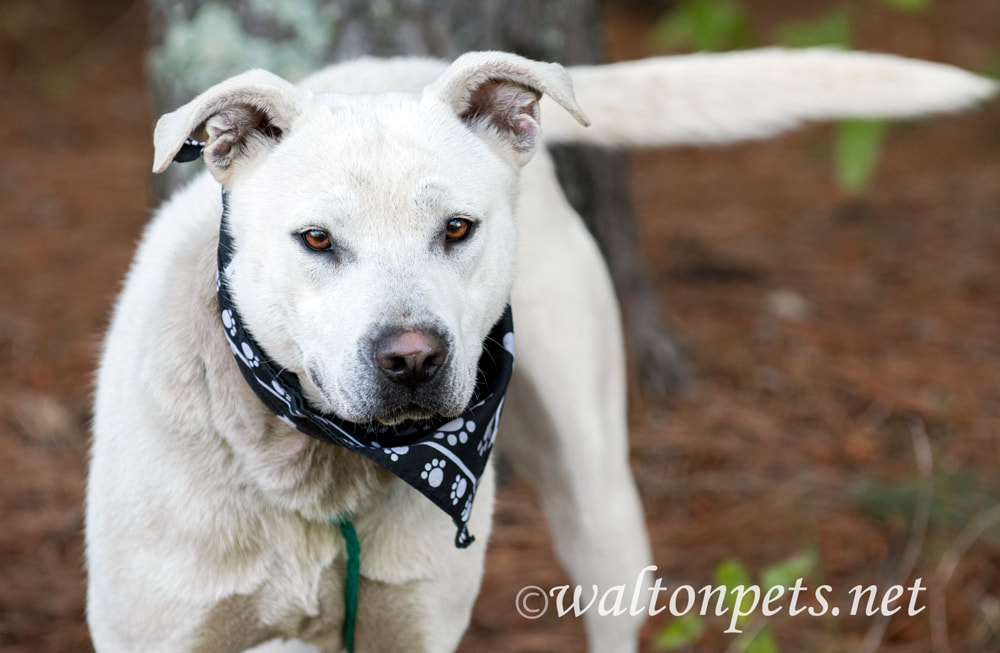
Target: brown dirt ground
{"type": "Point", "coordinates": [795, 436]}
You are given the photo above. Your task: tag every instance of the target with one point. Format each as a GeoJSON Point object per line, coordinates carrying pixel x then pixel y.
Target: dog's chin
{"type": "Point", "coordinates": [389, 405]}
{"type": "Point", "coordinates": [394, 411]}
{"type": "Point", "coordinates": [415, 409]}
{"type": "Point", "coordinates": [411, 413]}
{"type": "Point", "coordinates": [394, 416]}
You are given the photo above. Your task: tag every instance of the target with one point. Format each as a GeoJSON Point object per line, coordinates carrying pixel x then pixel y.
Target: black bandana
{"type": "Point", "coordinates": [443, 459]}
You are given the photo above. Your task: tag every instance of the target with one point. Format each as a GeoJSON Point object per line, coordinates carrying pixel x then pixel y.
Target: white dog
{"type": "Point", "coordinates": [375, 215]}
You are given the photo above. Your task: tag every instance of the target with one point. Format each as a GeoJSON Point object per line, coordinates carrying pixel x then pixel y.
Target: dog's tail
{"type": "Point", "coordinates": [719, 98]}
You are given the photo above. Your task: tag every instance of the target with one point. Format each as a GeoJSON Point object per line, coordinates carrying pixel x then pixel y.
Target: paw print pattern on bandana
{"type": "Point", "coordinates": [250, 355]}
{"type": "Point", "coordinates": [458, 488]}
{"type": "Point", "coordinates": [455, 431]}
{"type": "Point", "coordinates": [229, 322]}
{"type": "Point", "coordinates": [433, 472]}
{"type": "Point", "coordinates": [490, 433]}
{"type": "Point", "coordinates": [395, 452]}
{"type": "Point", "coordinates": [508, 342]}
{"type": "Point", "coordinates": [467, 510]}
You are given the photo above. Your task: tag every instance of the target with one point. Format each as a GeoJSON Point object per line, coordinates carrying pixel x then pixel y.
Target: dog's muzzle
{"type": "Point", "coordinates": [409, 374]}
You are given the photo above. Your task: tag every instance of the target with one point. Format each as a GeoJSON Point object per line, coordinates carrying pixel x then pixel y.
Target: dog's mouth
{"type": "Point", "coordinates": [409, 413]}
{"type": "Point", "coordinates": [390, 406]}
{"type": "Point", "coordinates": [394, 411]}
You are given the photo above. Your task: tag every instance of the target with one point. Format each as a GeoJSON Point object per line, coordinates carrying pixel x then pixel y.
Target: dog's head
{"type": "Point", "coordinates": [374, 234]}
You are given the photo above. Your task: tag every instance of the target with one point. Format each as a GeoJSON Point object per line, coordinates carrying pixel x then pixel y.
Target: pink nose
{"type": "Point", "coordinates": [410, 357]}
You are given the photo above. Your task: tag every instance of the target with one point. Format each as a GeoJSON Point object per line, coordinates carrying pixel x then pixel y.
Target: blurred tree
{"type": "Point", "coordinates": [196, 43]}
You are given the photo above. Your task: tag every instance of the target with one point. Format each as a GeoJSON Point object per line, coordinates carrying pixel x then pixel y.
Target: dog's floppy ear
{"type": "Point", "coordinates": [496, 94]}
{"type": "Point", "coordinates": [238, 119]}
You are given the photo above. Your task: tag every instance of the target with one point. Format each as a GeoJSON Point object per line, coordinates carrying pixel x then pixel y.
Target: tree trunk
{"type": "Point", "coordinates": [196, 43]}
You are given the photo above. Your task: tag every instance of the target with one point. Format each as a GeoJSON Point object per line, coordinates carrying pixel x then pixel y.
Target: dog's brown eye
{"type": "Point", "coordinates": [317, 239]}
{"type": "Point", "coordinates": [457, 229]}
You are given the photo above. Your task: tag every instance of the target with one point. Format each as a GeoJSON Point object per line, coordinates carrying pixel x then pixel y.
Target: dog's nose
{"type": "Point", "coordinates": [410, 357]}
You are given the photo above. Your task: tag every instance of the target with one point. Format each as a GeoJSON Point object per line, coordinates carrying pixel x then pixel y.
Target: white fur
{"type": "Point", "coordinates": [207, 519]}
{"type": "Point", "coordinates": [714, 98]}
{"type": "Point", "coordinates": [703, 99]}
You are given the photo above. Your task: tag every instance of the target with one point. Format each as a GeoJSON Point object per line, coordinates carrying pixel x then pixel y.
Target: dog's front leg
{"type": "Point", "coordinates": [565, 427]}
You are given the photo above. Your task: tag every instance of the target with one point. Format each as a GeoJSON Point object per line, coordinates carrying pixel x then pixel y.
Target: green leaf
{"type": "Point", "coordinates": [704, 25]}
{"type": "Point", "coordinates": [730, 573]}
{"type": "Point", "coordinates": [856, 153]}
{"type": "Point", "coordinates": [832, 30]}
{"type": "Point", "coordinates": [909, 6]}
{"type": "Point", "coordinates": [786, 572]}
{"type": "Point", "coordinates": [682, 631]}
{"type": "Point", "coordinates": [760, 642]}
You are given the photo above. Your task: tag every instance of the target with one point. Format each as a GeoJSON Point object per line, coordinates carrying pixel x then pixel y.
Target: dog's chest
{"type": "Point", "coordinates": [300, 596]}
{"type": "Point", "coordinates": [300, 588]}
